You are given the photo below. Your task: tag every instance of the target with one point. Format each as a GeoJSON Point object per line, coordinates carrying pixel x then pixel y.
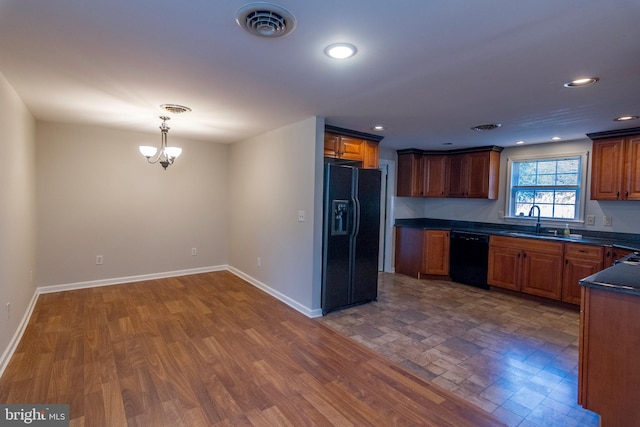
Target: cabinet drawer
{"type": "Point", "coordinates": [546, 246]}
{"type": "Point", "coordinates": [578, 250]}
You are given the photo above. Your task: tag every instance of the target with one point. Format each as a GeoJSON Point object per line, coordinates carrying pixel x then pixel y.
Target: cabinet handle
{"type": "Point", "coordinates": [617, 195]}
{"type": "Point", "coordinates": [582, 251]}
{"type": "Point", "coordinates": [566, 261]}
{"type": "Point", "coordinates": [626, 195]}
{"type": "Point", "coordinates": [524, 255]}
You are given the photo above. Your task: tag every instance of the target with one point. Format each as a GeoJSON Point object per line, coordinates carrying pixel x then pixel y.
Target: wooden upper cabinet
{"type": "Point", "coordinates": [410, 181]}
{"type": "Point", "coordinates": [608, 169]}
{"type": "Point", "coordinates": [434, 169]}
{"type": "Point", "coordinates": [370, 155]}
{"type": "Point", "coordinates": [616, 165]}
{"type": "Point", "coordinates": [331, 145]}
{"type": "Point", "coordinates": [456, 185]}
{"type": "Point", "coordinates": [341, 147]}
{"type": "Point", "coordinates": [348, 145]}
{"type": "Point", "coordinates": [633, 168]}
{"type": "Point", "coordinates": [472, 173]}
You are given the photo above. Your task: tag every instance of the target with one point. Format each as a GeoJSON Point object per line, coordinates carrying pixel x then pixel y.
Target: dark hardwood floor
{"type": "Point", "coordinates": [211, 350]}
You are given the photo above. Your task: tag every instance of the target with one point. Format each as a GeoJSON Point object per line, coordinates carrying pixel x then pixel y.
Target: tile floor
{"type": "Point", "coordinates": [512, 356]}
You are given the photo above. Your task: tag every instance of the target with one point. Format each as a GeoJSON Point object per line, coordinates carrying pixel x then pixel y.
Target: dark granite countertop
{"type": "Point", "coordinates": [622, 277]}
{"type": "Point", "coordinates": [620, 240]}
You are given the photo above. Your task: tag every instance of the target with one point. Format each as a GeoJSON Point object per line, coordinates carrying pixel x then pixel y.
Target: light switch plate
{"type": "Point", "coordinates": [607, 221]}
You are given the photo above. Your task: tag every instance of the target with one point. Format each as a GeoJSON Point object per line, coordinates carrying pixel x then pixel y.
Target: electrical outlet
{"type": "Point", "coordinates": [300, 216]}
{"type": "Point", "coordinates": [259, 262]}
{"type": "Point", "coordinates": [591, 220]}
{"type": "Point", "coordinates": [194, 251]}
{"type": "Point", "coordinates": [500, 214]}
{"type": "Point", "coordinates": [607, 221]}
{"type": "Point", "coordinates": [8, 310]}
{"type": "Point", "coordinates": [99, 259]}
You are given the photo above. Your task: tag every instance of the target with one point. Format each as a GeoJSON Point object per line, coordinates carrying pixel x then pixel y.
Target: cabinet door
{"type": "Point", "coordinates": [580, 261]}
{"type": "Point", "coordinates": [504, 267]}
{"type": "Point", "coordinates": [370, 155]}
{"type": "Point", "coordinates": [351, 148]}
{"type": "Point", "coordinates": [542, 273]}
{"type": "Point", "coordinates": [482, 176]}
{"type": "Point", "coordinates": [608, 169]}
{"type": "Point", "coordinates": [435, 178]}
{"type": "Point", "coordinates": [632, 166]}
{"type": "Point", "coordinates": [457, 176]}
{"type": "Point", "coordinates": [410, 175]}
{"type": "Point", "coordinates": [331, 145]}
{"type": "Point", "coordinates": [477, 175]}
{"type": "Point", "coordinates": [436, 252]}
{"type": "Point", "coordinates": [409, 251]}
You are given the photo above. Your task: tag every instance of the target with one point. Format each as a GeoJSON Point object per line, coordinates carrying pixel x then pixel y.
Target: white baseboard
{"type": "Point", "coordinates": [129, 279]}
{"type": "Point", "coordinates": [17, 336]}
{"type": "Point", "coordinates": [15, 340]}
{"type": "Point", "coordinates": [276, 294]}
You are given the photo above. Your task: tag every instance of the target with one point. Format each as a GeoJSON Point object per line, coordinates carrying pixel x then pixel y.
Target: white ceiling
{"type": "Point", "coordinates": [427, 70]}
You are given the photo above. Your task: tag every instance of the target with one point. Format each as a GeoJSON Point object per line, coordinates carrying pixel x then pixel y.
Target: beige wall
{"type": "Point", "coordinates": [17, 211]}
{"type": "Point", "coordinates": [272, 177]}
{"type": "Point", "coordinates": [98, 196]}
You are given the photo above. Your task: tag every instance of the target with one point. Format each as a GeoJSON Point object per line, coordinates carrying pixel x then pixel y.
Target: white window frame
{"type": "Point", "coordinates": [580, 206]}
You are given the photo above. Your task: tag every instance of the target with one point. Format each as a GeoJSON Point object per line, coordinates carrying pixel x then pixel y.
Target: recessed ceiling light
{"type": "Point", "coordinates": [340, 50]}
{"type": "Point", "coordinates": [520, 142]}
{"type": "Point", "coordinates": [625, 118]}
{"type": "Point", "coordinates": [582, 82]}
{"type": "Point", "coordinates": [489, 126]}
{"type": "Point", "coordinates": [378, 128]}
{"type": "Point", "coordinates": [556, 138]}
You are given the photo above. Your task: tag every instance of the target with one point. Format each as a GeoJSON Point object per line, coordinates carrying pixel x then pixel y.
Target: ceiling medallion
{"type": "Point", "coordinates": [486, 127]}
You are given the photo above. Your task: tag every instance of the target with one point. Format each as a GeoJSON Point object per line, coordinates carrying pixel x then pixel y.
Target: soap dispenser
{"type": "Point", "coordinates": [566, 230]}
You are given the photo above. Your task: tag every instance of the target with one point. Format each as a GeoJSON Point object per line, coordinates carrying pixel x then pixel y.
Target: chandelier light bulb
{"type": "Point", "coordinates": [147, 150]}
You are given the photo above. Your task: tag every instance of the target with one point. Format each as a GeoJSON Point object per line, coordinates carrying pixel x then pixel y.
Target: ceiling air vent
{"type": "Point", "coordinates": [484, 128]}
{"type": "Point", "coordinates": [265, 20]}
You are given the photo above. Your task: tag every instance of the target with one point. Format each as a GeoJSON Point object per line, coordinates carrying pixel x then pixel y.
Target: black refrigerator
{"type": "Point", "coordinates": [351, 234]}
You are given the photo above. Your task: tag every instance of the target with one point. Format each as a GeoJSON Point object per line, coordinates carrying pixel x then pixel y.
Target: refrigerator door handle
{"type": "Point", "coordinates": [356, 217]}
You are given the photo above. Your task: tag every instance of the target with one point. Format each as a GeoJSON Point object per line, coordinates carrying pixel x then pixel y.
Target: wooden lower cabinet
{"type": "Point", "coordinates": [580, 261]}
{"type": "Point", "coordinates": [504, 265]}
{"type": "Point", "coordinates": [612, 254]}
{"type": "Point", "coordinates": [526, 265]}
{"type": "Point", "coordinates": [422, 252]}
{"type": "Point", "coordinates": [436, 252]}
{"type": "Point", "coordinates": [409, 251]}
{"type": "Point", "coordinates": [609, 372]}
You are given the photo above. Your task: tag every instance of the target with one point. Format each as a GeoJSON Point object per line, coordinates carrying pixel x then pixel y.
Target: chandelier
{"type": "Point", "coordinates": [166, 155]}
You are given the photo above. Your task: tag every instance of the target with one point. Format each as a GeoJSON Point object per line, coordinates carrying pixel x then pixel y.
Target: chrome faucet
{"type": "Point", "coordinates": [538, 225]}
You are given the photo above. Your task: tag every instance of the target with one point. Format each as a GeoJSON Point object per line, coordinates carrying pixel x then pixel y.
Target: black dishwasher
{"type": "Point", "coordinates": [469, 258]}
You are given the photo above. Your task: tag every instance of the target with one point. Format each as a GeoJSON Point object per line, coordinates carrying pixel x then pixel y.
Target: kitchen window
{"type": "Point", "coordinates": [555, 184]}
